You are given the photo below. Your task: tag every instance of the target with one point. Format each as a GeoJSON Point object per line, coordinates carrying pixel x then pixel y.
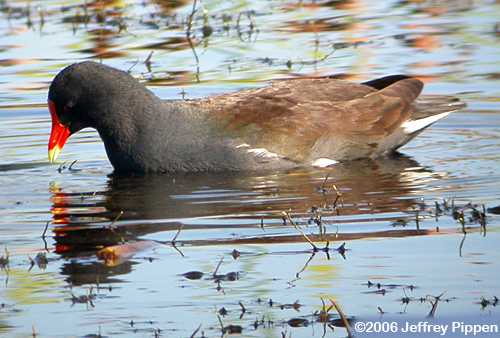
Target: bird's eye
{"type": "Point", "coordinates": [65, 116]}
{"type": "Point", "coordinates": [68, 106]}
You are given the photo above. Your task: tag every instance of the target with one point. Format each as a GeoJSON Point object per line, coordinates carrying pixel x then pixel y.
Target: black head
{"type": "Point", "coordinates": [79, 91]}
{"type": "Point", "coordinates": [87, 94]}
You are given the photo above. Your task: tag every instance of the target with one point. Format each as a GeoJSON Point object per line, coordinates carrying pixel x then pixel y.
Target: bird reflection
{"type": "Point", "coordinates": [153, 204]}
{"type": "Point", "coordinates": [79, 273]}
{"type": "Point", "coordinates": [87, 221]}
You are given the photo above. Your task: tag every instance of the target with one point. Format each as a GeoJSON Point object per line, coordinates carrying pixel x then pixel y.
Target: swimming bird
{"type": "Point", "coordinates": [289, 123]}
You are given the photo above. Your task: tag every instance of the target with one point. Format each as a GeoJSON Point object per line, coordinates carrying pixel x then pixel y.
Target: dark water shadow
{"type": "Point", "coordinates": [138, 206]}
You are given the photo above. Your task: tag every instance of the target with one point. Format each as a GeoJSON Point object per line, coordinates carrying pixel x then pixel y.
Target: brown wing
{"type": "Point", "coordinates": [323, 117]}
{"type": "Point", "coordinates": [381, 112]}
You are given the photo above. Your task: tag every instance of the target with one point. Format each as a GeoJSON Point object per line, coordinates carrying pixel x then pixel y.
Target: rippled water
{"type": "Point", "coordinates": [392, 260]}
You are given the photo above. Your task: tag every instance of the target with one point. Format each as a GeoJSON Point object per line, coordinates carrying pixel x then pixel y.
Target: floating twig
{"type": "Point", "coordinates": [243, 309]}
{"type": "Point", "coordinates": [195, 331]}
{"type": "Point", "coordinates": [190, 41]}
{"type": "Point", "coordinates": [112, 225]}
{"type": "Point", "coordinates": [4, 260]}
{"type": "Point", "coordinates": [343, 317]}
{"type": "Point", "coordinates": [286, 216]}
{"type": "Point", "coordinates": [482, 220]}
{"type": "Point", "coordinates": [133, 65]}
{"type": "Point", "coordinates": [45, 229]}
{"type": "Point", "coordinates": [323, 185]}
{"type": "Point", "coordinates": [62, 166]}
{"type": "Point", "coordinates": [147, 62]}
{"type": "Point", "coordinates": [461, 245]}
{"type": "Point", "coordinates": [338, 198]}
{"type": "Point", "coordinates": [177, 234]}
{"type": "Point", "coordinates": [217, 267]}
{"type": "Point", "coordinates": [434, 304]}
{"type": "Point", "coordinates": [70, 168]}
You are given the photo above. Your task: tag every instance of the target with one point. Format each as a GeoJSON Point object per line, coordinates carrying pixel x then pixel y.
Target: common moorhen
{"type": "Point", "coordinates": [297, 122]}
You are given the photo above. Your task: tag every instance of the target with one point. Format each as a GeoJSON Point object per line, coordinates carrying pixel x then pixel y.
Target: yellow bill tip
{"type": "Point", "coordinates": [54, 153]}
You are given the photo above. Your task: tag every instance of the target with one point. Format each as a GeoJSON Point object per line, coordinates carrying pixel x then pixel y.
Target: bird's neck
{"type": "Point", "coordinates": [155, 135]}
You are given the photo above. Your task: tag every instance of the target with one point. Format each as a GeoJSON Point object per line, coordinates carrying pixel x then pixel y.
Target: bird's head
{"type": "Point", "coordinates": [69, 101]}
{"type": "Point", "coordinates": [80, 96]}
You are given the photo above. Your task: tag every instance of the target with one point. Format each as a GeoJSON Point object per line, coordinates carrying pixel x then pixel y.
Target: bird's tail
{"type": "Point", "coordinates": [428, 109]}
{"type": "Point", "coordinates": [427, 105]}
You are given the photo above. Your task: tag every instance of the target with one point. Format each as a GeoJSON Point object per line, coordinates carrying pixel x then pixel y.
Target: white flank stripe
{"type": "Point", "coordinates": [243, 145]}
{"type": "Point", "coordinates": [262, 152]}
{"type": "Point", "coordinates": [412, 126]}
{"type": "Point", "coordinates": [323, 162]}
